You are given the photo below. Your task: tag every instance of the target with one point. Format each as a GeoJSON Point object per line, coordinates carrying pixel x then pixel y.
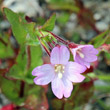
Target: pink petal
{"type": "Point", "coordinates": [36, 71]}
{"type": "Point", "coordinates": [60, 55]}
{"type": "Point", "coordinates": [45, 74]}
{"type": "Point", "coordinates": [43, 80]}
{"type": "Point", "coordinates": [76, 78]}
{"type": "Point", "coordinates": [57, 87]}
{"type": "Point", "coordinates": [87, 64]}
{"type": "Point", "coordinates": [68, 87]}
{"type": "Point", "coordinates": [73, 70]}
{"type": "Point", "coordinates": [89, 57]}
{"type": "Point", "coordinates": [74, 67]}
{"type": "Point", "coordinates": [45, 69]}
{"type": "Point", "coordinates": [55, 55]}
{"type": "Point", "coordinates": [64, 55]}
{"type": "Point", "coordinates": [89, 49]}
{"type": "Point", "coordinates": [89, 53]}
{"type": "Point", "coordinates": [81, 61]}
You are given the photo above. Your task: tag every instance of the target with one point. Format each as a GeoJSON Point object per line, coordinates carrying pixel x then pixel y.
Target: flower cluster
{"type": "Point", "coordinates": [61, 72]}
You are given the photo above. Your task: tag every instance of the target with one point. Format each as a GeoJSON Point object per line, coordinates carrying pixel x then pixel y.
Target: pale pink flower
{"type": "Point", "coordinates": [61, 72]}
{"type": "Point", "coordinates": [84, 54]}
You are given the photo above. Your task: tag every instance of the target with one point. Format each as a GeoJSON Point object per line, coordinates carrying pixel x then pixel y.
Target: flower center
{"type": "Point", "coordinates": [59, 68]}
{"type": "Point", "coordinates": [80, 53]}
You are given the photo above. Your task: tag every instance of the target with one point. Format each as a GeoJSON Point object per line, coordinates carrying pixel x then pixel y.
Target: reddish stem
{"type": "Point", "coordinates": [28, 57]}
{"type": "Point", "coordinates": [54, 43]}
{"type": "Point", "coordinates": [50, 45]}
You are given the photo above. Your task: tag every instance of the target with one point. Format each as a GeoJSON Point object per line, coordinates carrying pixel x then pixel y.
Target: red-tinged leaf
{"type": "Point", "coordinates": [83, 93]}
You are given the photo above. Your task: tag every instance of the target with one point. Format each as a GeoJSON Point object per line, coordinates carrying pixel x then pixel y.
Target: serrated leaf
{"type": "Point", "coordinates": [17, 27]}
{"type": "Point", "coordinates": [100, 39]}
{"type": "Point", "coordinates": [23, 31]}
{"type": "Point", "coordinates": [49, 24]}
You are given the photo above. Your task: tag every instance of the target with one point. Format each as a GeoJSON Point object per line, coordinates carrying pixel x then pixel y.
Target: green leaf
{"type": "Point", "coordinates": [100, 39]}
{"type": "Point", "coordinates": [24, 32]}
{"type": "Point", "coordinates": [49, 24]}
{"type": "Point", "coordinates": [36, 60]}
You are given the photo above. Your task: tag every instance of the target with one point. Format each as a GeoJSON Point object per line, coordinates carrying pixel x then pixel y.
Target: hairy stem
{"type": "Point", "coordinates": [45, 48]}
{"type": "Point", "coordinates": [59, 38]}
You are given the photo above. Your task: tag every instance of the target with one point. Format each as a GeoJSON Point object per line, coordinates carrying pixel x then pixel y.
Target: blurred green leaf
{"type": "Point", "coordinates": [33, 95]}
{"type": "Point", "coordinates": [100, 39]}
{"type": "Point", "coordinates": [11, 90]}
{"type": "Point", "coordinates": [104, 77]}
{"type": "Point", "coordinates": [102, 88]}
{"type": "Point", "coordinates": [49, 24]}
{"type": "Point", "coordinates": [100, 77]}
{"type": "Point", "coordinates": [63, 18]}
{"type": "Point", "coordinates": [64, 6]}
{"type": "Point", "coordinates": [57, 104]}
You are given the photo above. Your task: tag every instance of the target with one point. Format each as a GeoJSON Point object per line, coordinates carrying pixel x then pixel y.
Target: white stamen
{"type": "Point", "coordinates": [60, 75]}
{"type": "Point", "coordinates": [59, 69]}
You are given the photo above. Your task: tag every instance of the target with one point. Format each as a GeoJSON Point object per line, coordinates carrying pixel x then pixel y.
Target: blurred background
{"type": "Point", "coordinates": [78, 21]}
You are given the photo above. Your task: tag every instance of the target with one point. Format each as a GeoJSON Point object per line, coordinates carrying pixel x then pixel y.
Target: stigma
{"type": "Point", "coordinates": [59, 69]}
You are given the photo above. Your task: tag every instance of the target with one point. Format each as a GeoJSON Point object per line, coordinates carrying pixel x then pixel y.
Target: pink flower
{"type": "Point", "coordinates": [61, 72]}
{"type": "Point", "coordinates": [84, 54]}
